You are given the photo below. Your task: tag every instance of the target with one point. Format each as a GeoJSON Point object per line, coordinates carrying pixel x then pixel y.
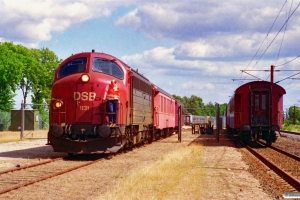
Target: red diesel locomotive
{"type": "Point", "coordinates": [79, 114]}
{"type": "Point", "coordinates": [255, 111]}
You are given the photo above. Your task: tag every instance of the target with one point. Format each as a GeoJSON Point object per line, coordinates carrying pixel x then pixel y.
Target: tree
{"type": "Point", "coordinates": [37, 76]}
{"type": "Point", "coordinates": [6, 99]}
{"type": "Point", "coordinates": [30, 73]}
{"type": "Point", "coordinates": [179, 98]}
{"type": "Point", "coordinates": [210, 109]}
{"type": "Point", "coordinates": [223, 108]}
{"type": "Point", "coordinates": [47, 63]}
{"type": "Point", "coordinates": [12, 62]}
{"type": "Point", "coordinates": [4, 119]}
{"type": "Point", "coordinates": [194, 105]}
{"type": "Point", "coordinates": [294, 114]}
{"type": "Point", "coordinates": [30, 70]}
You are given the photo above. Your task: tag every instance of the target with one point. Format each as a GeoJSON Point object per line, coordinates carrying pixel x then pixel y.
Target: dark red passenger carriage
{"type": "Point", "coordinates": [255, 111]}
{"type": "Point", "coordinates": [79, 112]}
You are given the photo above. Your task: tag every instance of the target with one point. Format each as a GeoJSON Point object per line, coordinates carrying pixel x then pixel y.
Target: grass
{"type": "Point", "coordinates": [167, 178]}
{"type": "Point", "coordinates": [15, 136]}
{"type": "Point", "coordinates": [292, 128]}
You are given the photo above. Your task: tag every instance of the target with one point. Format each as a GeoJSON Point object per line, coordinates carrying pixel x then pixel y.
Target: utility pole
{"type": "Point", "coordinates": [294, 115]}
{"type": "Point", "coordinates": [272, 73]}
{"type": "Point", "coordinates": [217, 121]}
{"type": "Point", "coordinates": [179, 122]}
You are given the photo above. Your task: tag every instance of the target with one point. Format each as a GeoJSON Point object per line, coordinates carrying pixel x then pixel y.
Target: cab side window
{"type": "Point", "coordinates": [108, 67]}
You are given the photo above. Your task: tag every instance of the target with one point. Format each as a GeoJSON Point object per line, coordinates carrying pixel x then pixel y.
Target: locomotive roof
{"type": "Point", "coordinates": [103, 55]}
{"type": "Point", "coordinates": [109, 57]}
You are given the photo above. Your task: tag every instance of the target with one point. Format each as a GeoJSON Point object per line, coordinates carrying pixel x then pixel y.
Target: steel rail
{"type": "Point", "coordinates": [283, 152]}
{"type": "Point", "coordinates": [29, 166]}
{"type": "Point", "coordinates": [47, 177]}
{"type": "Point", "coordinates": [284, 175]}
{"type": "Point", "coordinates": [290, 132]}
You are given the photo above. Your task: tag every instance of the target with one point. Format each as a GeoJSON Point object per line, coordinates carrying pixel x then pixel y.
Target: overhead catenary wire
{"type": "Point", "coordinates": [291, 12]}
{"type": "Point", "coordinates": [265, 38]}
{"type": "Point", "coordinates": [266, 35]}
{"type": "Point", "coordinates": [282, 38]}
{"type": "Point", "coordinates": [278, 33]}
{"type": "Point", "coordinates": [287, 77]}
{"type": "Point", "coordinates": [288, 61]}
{"type": "Point", "coordinates": [284, 33]}
{"type": "Point", "coordinates": [292, 75]}
{"type": "Point", "coordinates": [284, 25]}
{"type": "Point", "coordinates": [292, 86]}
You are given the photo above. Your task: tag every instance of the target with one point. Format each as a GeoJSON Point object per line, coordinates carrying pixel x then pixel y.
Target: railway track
{"type": "Point", "coordinates": [284, 164]}
{"type": "Point", "coordinates": [23, 176]}
{"type": "Point", "coordinates": [290, 132]}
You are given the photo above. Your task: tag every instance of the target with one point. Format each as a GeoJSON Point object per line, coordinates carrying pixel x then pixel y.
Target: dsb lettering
{"type": "Point", "coordinates": [84, 96]}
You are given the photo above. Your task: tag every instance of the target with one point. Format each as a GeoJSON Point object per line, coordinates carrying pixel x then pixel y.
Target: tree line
{"type": "Point", "coordinates": [194, 105]}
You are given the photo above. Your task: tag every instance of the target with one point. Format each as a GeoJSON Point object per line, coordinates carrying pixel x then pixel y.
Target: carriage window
{"type": "Point", "coordinates": [107, 67]}
{"type": "Point", "coordinates": [256, 102]}
{"type": "Point", "coordinates": [263, 102]}
{"type": "Point", "coordinates": [72, 67]}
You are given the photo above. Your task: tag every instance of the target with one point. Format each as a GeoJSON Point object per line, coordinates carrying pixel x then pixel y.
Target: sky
{"type": "Point", "coordinates": [186, 47]}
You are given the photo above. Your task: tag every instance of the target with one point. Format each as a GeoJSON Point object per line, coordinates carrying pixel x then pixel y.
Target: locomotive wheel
{"type": "Point", "coordinates": [135, 138]}
{"type": "Point", "coordinates": [148, 137]}
{"type": "Point", "coordinates": [256, 138]}
{"type": "Point", "coordinates": [268, 143]}
{"type": "Point", "coordinates": [74, 137]}
{"type": "Point", "coordinates": [129, 137]}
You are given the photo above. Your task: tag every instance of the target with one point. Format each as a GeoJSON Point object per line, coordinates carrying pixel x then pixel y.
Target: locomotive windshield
{"type": "Point", "coordinates": [72, 67]}
{"type": "Point", "coordinates": [107, 67]}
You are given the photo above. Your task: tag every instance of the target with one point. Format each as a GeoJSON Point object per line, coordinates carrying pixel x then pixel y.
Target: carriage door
{"type": "Point", "coordinates": [84, 98]}
{"type": "Point", "coordinates": [260, 108]}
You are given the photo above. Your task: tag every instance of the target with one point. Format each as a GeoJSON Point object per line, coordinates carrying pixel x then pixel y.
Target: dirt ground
{"type": "Point", "coordinates": [226, 173]}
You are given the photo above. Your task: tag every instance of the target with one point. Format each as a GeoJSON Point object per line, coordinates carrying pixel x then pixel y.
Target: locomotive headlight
{"type": "Point", "coordinates": [85, 78]}
{"type": "Point", "coordinates": [58, 104]}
